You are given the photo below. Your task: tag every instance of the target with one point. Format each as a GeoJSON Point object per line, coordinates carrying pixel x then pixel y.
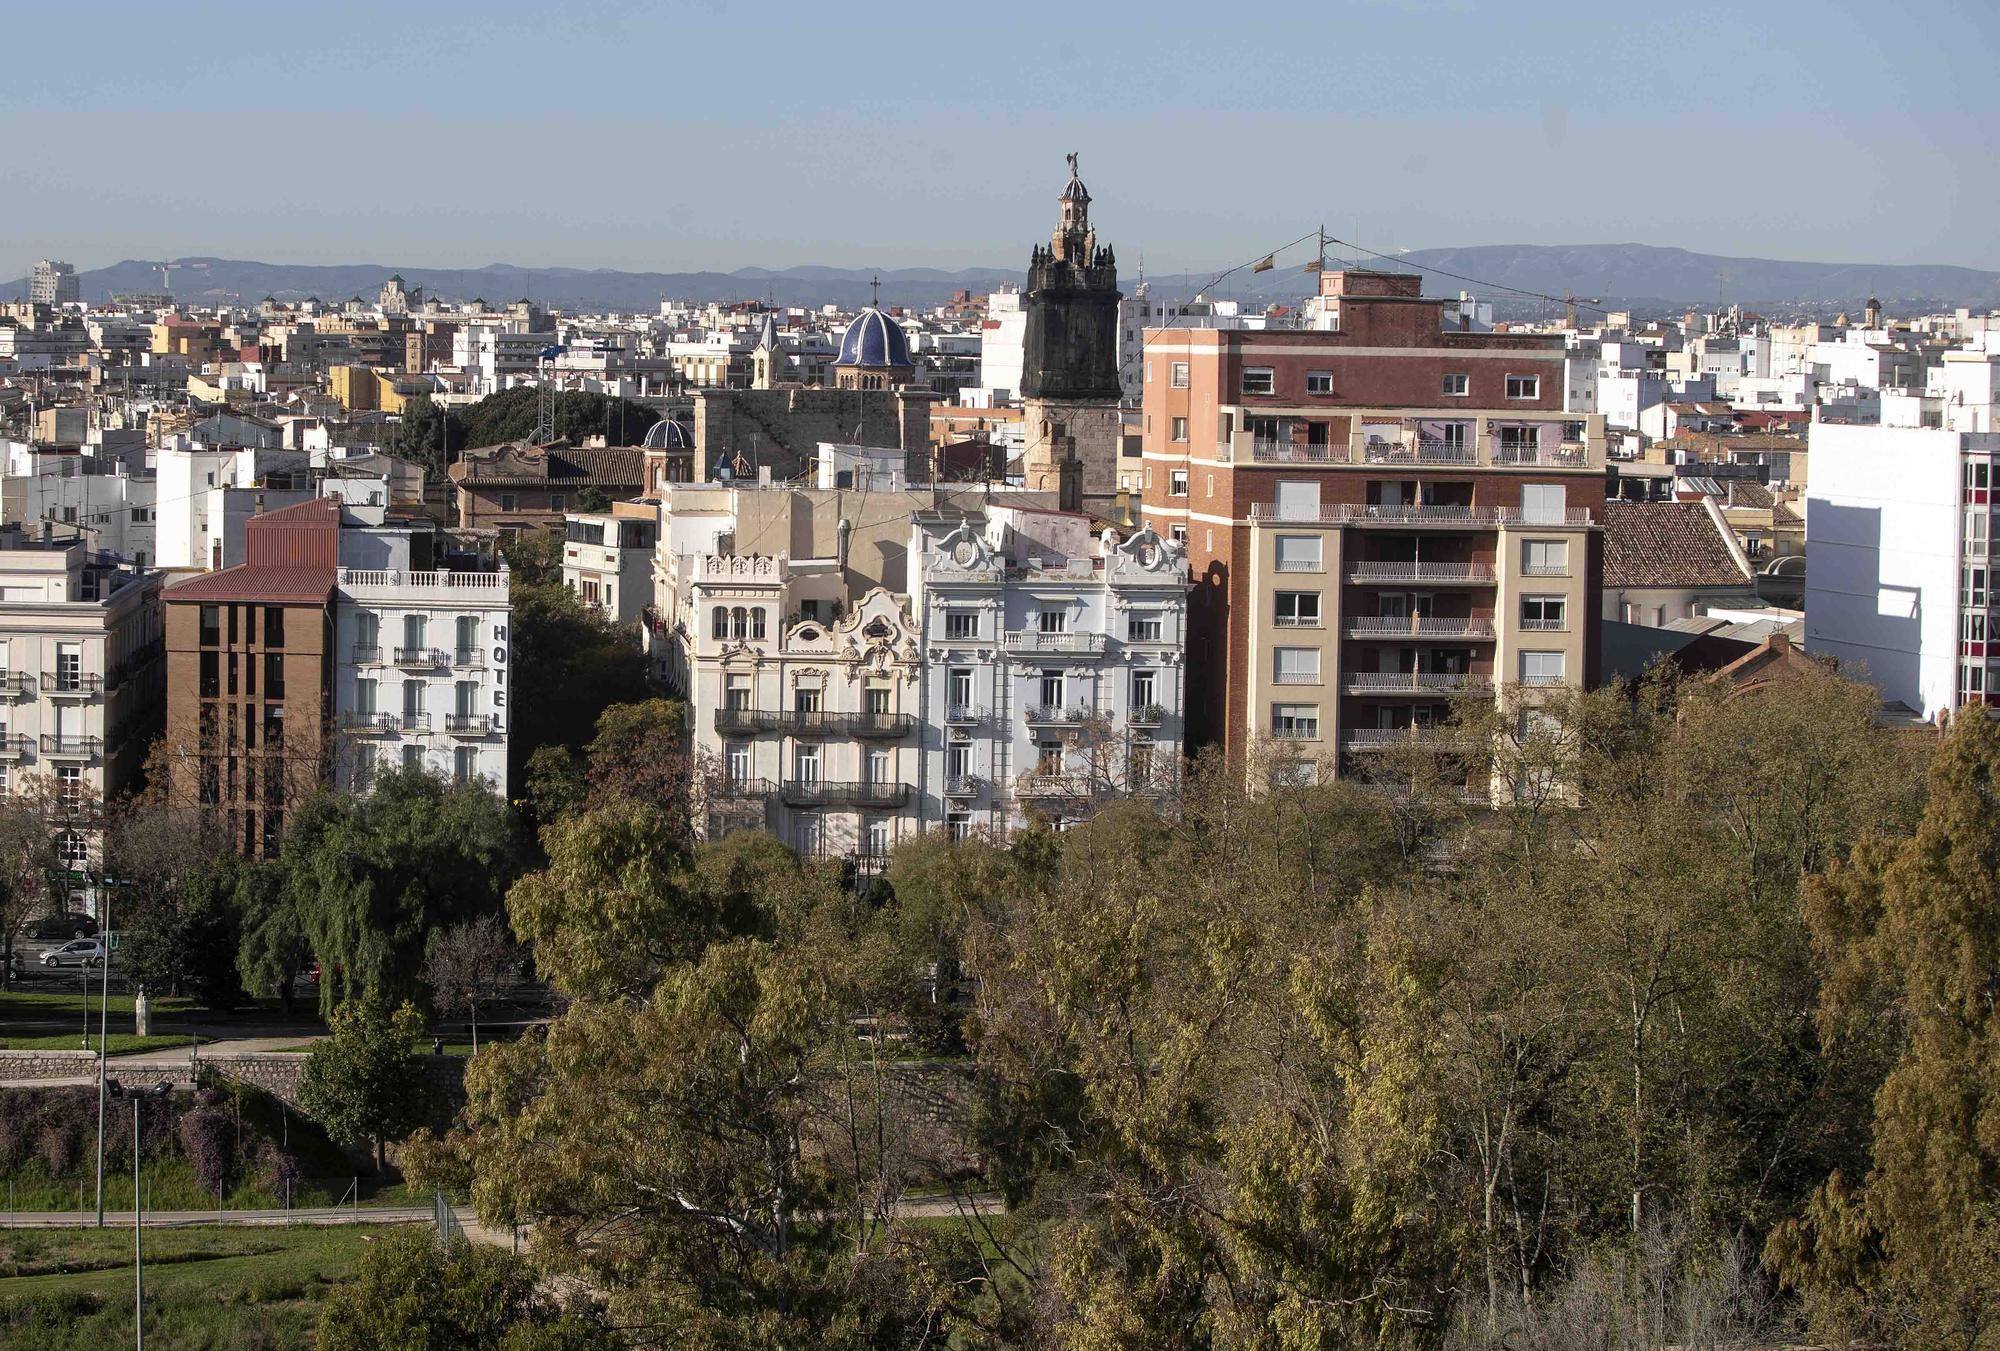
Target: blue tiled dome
{"type": "Point", "coordinates": [667, 434]}
{"type": "Point", "coordinates": [873, 339]}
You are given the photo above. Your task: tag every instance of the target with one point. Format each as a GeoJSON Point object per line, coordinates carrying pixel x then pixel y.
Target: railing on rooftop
{"type": "Point", "coordinates": [1448, 517]}
{"type": "Point", "coordinates": [1033, 640]}
{"type": "Point", "coordinates": [434, 580]}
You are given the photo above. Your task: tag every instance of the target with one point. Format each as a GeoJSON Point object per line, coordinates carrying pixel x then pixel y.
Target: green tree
{"type": "Point", "coordinates": [365, 1082]}
{"type": "Point", "coordinates": [468, 965]}
{"type": "Point", "coordinates": [273, 949]}
{"type": "Point", "coordinates": [186, 940]}
{"type": "Point", "coordinates": [414, 1291]}
{"type": "Point", "coordinates": [372, 877]}
{"type": "Point", "coordinates": [569, 667]}
{"type": "Point", "coordinates": [1909, 935]}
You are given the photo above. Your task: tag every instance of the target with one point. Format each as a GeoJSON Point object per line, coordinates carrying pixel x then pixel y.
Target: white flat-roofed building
{"type": "Point", "coordinates": [421, 672]}
{"type": "Point", "coordinates": [608, 558]}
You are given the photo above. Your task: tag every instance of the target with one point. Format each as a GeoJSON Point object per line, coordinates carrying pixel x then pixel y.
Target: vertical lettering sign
{"type": "Point", "coordinates": [500, 678]}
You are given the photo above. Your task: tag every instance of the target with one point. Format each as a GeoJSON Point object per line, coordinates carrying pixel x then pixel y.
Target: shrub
{"type": "Point", "coordinates": [209, 1139]}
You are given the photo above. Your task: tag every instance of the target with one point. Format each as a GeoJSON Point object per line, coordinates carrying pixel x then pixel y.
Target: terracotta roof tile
{"type": "Point", "coordinates": [258, 583]}
{"type": "Point", "coordinates": [1666, 544]}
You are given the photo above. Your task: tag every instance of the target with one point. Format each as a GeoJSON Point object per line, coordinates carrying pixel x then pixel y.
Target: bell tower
{"type": "Point", "coordinates": [1069, 369]}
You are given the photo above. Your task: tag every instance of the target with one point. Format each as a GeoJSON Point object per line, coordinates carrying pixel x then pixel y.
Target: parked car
{"type": "Point", "coordinates": [81, 952]}
{"type": "Point", "coordinates": [50, 927]}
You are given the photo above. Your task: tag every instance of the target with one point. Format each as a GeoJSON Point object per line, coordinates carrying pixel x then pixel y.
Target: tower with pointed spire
{"type": "Point", "coordinates": [767, 362]}
{"type": "Point", "coordinates": [1069, 362]}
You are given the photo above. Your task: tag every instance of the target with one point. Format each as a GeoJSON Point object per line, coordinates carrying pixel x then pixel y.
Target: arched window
{"type": "Point", "coordinates": [721, 628]}
{"type": "Point", "coordinates": [757, 622]}
{"type": "Point", "coordinates": [741, 622]}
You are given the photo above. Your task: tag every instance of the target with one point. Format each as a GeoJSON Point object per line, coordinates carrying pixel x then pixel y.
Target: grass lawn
{"type": "Point", "coordinates": [40, 1004]}
{"type": "Point", "coordinates": [121, 1043]}
{"type": "Point", "coordinates": [71, 1290]}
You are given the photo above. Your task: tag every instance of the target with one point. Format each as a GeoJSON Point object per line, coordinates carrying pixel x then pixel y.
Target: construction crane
{"type": "Point", "coordinates": [166, 283]}
{"type": "Point", "coordinates": [1569, 306]}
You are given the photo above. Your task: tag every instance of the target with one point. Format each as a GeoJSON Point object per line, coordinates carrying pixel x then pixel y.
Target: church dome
{"type": "Point", "coordinates": [873, 339]}
{"type": "Point", "coordinates": [667, 434]}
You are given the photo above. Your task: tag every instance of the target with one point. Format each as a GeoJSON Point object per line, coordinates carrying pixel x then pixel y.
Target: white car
{"type": "Point", "coordinates": [79, 952]}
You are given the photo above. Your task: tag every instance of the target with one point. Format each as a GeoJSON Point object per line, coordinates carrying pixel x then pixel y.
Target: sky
{"type": "Point", "coordinates": [658, 136]}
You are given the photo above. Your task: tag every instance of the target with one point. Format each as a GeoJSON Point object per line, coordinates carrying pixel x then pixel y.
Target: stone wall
{"type": "Point", "coordinates": [781, 428]}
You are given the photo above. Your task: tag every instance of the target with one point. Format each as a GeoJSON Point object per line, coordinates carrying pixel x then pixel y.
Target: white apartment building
{"type": "Point", "coordinates": [1053, 672]}
{"type": "Point", "coordinates": [608, 559]}
{"type": "Point", "coordinates": [420, 664]}
{"type": "Point", "coordinates": [82, 684]}
{"type": "Point", "coordinates": [1900, 569]}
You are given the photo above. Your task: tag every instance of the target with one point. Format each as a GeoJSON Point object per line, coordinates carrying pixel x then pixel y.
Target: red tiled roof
{"type": "Point", "coordinates": [257, 583]}
{"type": "Point", "coordinates": [1666, 544]}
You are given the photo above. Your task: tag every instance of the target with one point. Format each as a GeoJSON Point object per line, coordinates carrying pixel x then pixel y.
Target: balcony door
{"type": "Point", "coordinates": [806, 762]}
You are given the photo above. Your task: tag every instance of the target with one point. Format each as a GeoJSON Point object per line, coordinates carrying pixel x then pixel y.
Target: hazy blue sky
{"type": "Point", "coordinates": [679, 136]}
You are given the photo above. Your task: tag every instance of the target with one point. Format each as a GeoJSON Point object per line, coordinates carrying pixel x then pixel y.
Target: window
{"type": "Point", "coordinates": [1144, 684]}
{"type": "Point", "coordinates": [1319, 382]}
{"type": "Point", "coordinates": [1975, 530]}
{"type": "Point", "coordinates": [1052, 689]}
{"type": "Point", "coordinates": [736, 692]}
{"type": "Point", "coordinates": [1177, 533]}
{"type": "Point", "coordinates": [1457, 385]}
{"type": "Point", "coordinates": [1541, 668]}
{"type": "Point", "coordinates": [1524, 386]}
{"type": "Point", "coordinates": [464, 764]}
{"type": "Point", "coordinates": [69, 786]}
{"type": "Point", "coordinates": [1295, 722]}
{"type": "Point", "coordinates": [465, 698]}
{"type": "Point", "coordinates": [1542, 613]}
{"type": "Point", "coordinates": [72, 848]}
{"type": "Point", "coordinates": [1296, 610]}
{"type": "Point", "coordinates": [1295, 666]}
{"type": "Point", "coordinates": [958, 825]}
{"type": "Point", "coordinates": [365, 694]}
{"type": "Point", "coordinates": [274, 626]}
{"type": "Point", "coordinates": [958, 690]}
{"type": "Point", "coordinates": [1177, 375]}
{"type": "Point", "coordinates": [211, 626]}
{"type": "Point", "coordinates": [958, 758]}
{"type": "Point", "coordinates": [1048, 757]}
{"type": "Point", "coordinates": [413, 757]}
{"type": "Point", "coordinates": [1542, 501]}
{"type": "Point", "coordinates": [805, 762]}
{"type": "Point", "coordinates": [1298, 553]}
{"type": "Point", "coordinates": [1179, 426]}
{"type": "Point", "coordinates": [876, 770]}
{"type": "Point", "coordinates": [1052, 619]}
{"type": "Point", "coordinates": [876, 837]}
{"type": "Point", "coordinates": [1973, 587]}
{"type": "Point", "coordinates": [69, 666]}
{"type": "Point", "coordinates": [1297, 499]}
{"type": "Point", "coordinates": [961, 623]}
{"type": "Point", "coordinates": [557, 501]}
{"type": "Point", "coordinates": [1177, 483]}
{"type": "Point", "coordinates": [805, 699]}
{"type": "Point", "coordinates": [756, 616]}
{"type": "Point", "coordinates": [806, 834]}
{"type": "Point", "coordinates": [1545, 557]}
{"type": "Point", "coordinates": [274, 675]}
{"type": "Point", "coordinates": [875, 700]}
{"type": "Point", "coordinates": [736, 761]}
{"type": "Point", "coordinates": [1259, 380]}
{"type": "Point", "coordinates": [508, 502]}
{"type": "Point", "coordinates": [1144, 628]}
{"type": "Point", "coordinates": [468, 636]}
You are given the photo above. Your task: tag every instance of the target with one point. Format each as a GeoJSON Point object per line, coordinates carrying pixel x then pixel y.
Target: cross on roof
{"type": "Point", "coordinates": [875, 291]}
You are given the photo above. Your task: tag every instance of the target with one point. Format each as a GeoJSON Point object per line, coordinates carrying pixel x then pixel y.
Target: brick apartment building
{"type": "Point", "coordinates": [249, 674]}
{"type": "Point", "coordinates": [1382, 512]}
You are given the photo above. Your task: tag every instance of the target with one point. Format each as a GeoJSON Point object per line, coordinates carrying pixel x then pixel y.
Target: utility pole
{"type": "Point", "coordinates": [103, 1035]}
{"type": "Point", "coordinates": [138, 1259]}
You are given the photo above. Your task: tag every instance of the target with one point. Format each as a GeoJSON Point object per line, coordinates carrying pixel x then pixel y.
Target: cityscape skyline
{"type": "Point", "coordinates": [832, 148]}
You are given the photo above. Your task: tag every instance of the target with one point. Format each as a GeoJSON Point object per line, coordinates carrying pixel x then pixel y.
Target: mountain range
{"type": "Point", "coordinates": [1629, 276]}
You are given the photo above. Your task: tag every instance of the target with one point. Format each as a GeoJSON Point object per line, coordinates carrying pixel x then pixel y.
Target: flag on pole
{"type": "Point", "coordinates": [1266, 263]}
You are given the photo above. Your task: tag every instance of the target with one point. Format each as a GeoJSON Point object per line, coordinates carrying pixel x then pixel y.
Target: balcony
{"type": "Point", "coordinates": [1390, 738]}
{"type": "Point", "coordinates": [1055, 644]}
{"type": "Point", "coordinates": [1424, 574]}
{"type": "Point", "coordinates": [1147, 715]}
{"type": "Point", "coordinates": [468, 658]}
{"type": "Point", "coordinates": [1544, 625]}
{"type": "Point", "coordinates": [413, 722]}
{"type": "Point", "coordinates": [1291, 452]}
{"type": "Point", "coordinates": [746, 721]}
{"type": "Point", "coordinates": [1403, 626]}
{"type": "Point", "coordinates": [866, 725]}
{"type": "Point", "coordinates": [1418, 450]}
{"type": "Point", "coordinates": [72, 686]}
{"type": "Point", "coordinates": [1048, 783]}
{"type": "Point", "coordinates": [838, 793]}
{"type": "Point", "coordinates": [469, 724]}
{"type": "Point", "coordinates": [1566, 455]}
{"type": "Point", "coordinates": [1433, 517]}
{"type": "Point", "coordinates": [421, 658]}
{"type": "Point", "coordinates": [1414, 682]}
{"type": "Point", "coordinates": [1047, 714]}
{"type": "Point", "coordinates": [964, 715]}
{"type": "Point", "coordinates": [744, 788]}
{"type": "Point", "coordinates": [367, 655]}
{"type": "Point", "coordinates": [71, 747]}
{"type": "Point", "coordinates": [15, 685]}
{"type": "Point", "coordinates": [13, 747]}
{"type": "Point", "coordinates": [963, 785]}
{"type": "Point", "coordinates": [368, 724]}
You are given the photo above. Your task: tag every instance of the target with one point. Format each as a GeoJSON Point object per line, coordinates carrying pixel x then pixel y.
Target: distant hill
{"type": "Point", "coordinates": [1636, 276]}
